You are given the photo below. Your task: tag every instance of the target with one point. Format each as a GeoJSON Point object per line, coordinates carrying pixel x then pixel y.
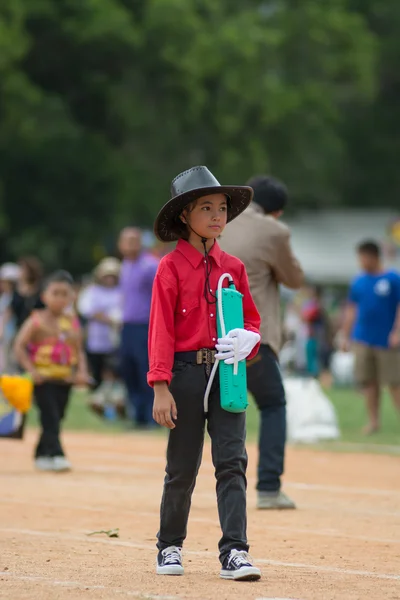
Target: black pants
{"type": "Point", "coordinates": [97, 363]}
{"type": "Point", "coordinates": [51, 400]}
{"type": "Point", "coordinates": [264, 381]}
{"type": "Point", "coordinates": [184, 453]}
{"type": "Point", "coordinates": [134, 367]}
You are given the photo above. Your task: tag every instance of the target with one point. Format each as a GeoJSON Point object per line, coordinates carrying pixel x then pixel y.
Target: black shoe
{"type": "Point", "coordinates": [169, 561]}
{"type": "Point", "coordinates": [238, 566]}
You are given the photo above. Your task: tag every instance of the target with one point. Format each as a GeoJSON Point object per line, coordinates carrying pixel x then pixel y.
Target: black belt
{"type": "Point", "coordinates": [205, 356]}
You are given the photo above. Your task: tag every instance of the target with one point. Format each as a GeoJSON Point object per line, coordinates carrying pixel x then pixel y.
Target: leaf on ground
{"type": "Point", "coordinates": [111, 533]}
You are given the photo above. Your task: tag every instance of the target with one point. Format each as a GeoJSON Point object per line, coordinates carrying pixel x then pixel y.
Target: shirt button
{"type": "Point", "coordinates": [211, 315]}
{"type": "Point", "coordinates": [214, 340]}
{"type": "Point", "coordinates": [205, 262]}
{"type": "Point", "coordinates": [184, 310]}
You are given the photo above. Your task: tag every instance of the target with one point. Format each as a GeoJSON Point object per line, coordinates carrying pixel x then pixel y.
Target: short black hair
{"type": "Point", "coordinates": [369, 247]}
{"type": "Point", "coordinates": [269, 193]}
{"type": "Point", "coordinates": [59, 276]}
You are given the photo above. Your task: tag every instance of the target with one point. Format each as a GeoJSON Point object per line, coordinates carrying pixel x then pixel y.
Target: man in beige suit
{"type": "Point", "coordinates": [263, 244]}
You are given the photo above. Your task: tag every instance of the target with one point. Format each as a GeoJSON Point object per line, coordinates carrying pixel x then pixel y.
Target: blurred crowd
{"type": "Point", "coordinates": [312, 321]}
{"type": "Point", "coordinates": [113, 307]}
{"type": "Point", "coordinates": [111, 300]}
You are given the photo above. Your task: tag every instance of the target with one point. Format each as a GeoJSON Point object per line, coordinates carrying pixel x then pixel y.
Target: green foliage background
{"type": "Point", "coordinates": [102, 102]}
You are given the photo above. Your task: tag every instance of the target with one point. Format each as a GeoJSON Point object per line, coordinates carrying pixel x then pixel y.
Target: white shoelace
{"type": "Point", "coordinates": [239, 558]}
{"type": "Point", "coordinates": [172, 554]}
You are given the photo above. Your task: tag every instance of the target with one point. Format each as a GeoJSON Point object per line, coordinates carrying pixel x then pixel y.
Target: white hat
{"type": "Point", "coordinates": [10, 272]}
{"type": "Point", "coordinates": [107, 266]}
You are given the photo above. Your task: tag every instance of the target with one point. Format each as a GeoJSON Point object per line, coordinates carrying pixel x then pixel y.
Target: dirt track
{"type": "Point", "coordinates": [343, 542]}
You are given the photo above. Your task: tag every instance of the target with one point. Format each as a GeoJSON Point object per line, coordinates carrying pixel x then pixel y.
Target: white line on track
{"type": "Point", "coordinates": [376, 449]}
{"type": "Point", "coordinates": [151, 460]}
{"type": "Point", "coordinates": [109, 485]}
{"type": "Point", "coordinates": [312, 487]}
{"type": "Point", "coordinates": [84, 586]}
{"type": "Point", "coordinates": [155, 514]}
{"type": "Point", "coordinates": [276, 563]}
{"type": "Point", "coordinates": [336, 489]}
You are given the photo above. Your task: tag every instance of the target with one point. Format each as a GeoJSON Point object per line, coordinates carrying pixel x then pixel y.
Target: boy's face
{"type": "Point", "coordinates": [368, 262]}
{"type": "Point", "coordinates": [130, 242]}
{"type": "Point", "coordinates": [109, 281]}
{"type": "Point", "coordinates": [58, 296]}
{"type": "Point", "coordinates": [6, 286]}
{"type": "Point", "coordinates": [208, 216]}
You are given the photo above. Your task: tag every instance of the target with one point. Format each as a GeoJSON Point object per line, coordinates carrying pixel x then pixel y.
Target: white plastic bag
{"type": "Point", "coordinates": [342, 368]}
{"type": "Point", "coordinates": [311, 416]}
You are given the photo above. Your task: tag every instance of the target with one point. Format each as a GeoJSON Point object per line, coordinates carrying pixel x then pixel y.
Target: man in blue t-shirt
{"type": "Point", "coordinates": [372, 322]}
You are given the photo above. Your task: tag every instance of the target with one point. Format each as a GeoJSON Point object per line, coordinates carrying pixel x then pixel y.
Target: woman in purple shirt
{"type": "Point", "coordinates": [137, 274]}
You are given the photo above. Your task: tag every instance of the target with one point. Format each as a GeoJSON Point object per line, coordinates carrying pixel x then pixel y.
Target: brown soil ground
{"type": "Point", "coordinates": [342, 542]}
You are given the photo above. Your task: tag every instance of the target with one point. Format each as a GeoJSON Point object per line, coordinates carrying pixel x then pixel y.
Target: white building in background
{"type": "Point", "coordinates": [325, 241]}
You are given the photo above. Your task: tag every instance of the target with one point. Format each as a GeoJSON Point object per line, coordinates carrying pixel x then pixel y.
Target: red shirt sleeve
{"type": "Point", "coordinates": [252, 319]}
{"type": "Point", "coordinates": [162, 327]}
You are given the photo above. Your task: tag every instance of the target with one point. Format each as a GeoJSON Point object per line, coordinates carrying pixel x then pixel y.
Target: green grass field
{"type": "Point", "coordinates": [349, 406]}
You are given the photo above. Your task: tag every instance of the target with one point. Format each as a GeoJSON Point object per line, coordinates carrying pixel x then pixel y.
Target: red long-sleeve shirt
{"type": "Point", "coordinates": [181, 320]}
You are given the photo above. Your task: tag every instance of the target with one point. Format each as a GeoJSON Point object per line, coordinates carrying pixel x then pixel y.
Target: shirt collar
{"type": "Point", "coordinates": [195, 257]}
{"type": "Point", "coordinates": [257, 208]}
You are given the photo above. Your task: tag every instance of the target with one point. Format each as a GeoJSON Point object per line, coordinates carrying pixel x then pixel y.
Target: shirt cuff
{"type": "Point", "coordinates": [256, 348]}
{"type": "Point", "coordinates": [158, 375]}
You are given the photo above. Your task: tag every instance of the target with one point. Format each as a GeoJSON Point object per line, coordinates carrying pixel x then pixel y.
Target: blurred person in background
{"type": "Point", "coordinates": [49, 347]}
{"type": "Point", "coordinates": [9, 275]}
{"type": "Point", "coordinates": [27, 293]}
{"type": "Point", "coordinates": [318, 346]}
{"type": "Point", "coordinates": [372, 328]}
{"type": "Point", "coordinates": [294, 336]}
{"type": "Point", "coordinates": [101, 307]}
{"type": "Point", "coordinates": [136, 281]}
{"type": "Point", "coordinates": [262, 242]}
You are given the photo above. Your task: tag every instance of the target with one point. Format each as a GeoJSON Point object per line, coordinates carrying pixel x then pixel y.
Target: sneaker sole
{"type": "Point", "coordinates": [170, 570]}
{"type": "Point", "coordinates": [245, 574]}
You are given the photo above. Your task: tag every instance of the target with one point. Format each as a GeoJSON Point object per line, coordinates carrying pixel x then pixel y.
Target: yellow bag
{"type": "Point", "coordinates": [18, 391]}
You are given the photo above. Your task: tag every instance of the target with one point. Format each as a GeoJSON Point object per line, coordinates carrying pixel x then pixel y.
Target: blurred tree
{"type": "Point", "coordinates": [373, 133]}
{"type": "Point", "coordinates": [103, 101]}
{"type": "Point", "coordinates": [59, 171]}
{"type": "Point", "coordinates": [262, 87]}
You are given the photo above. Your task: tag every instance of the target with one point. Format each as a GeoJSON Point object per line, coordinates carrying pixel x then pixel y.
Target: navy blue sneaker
{"type": "Point", "coordinates": [169, 561]}
{"type": "Point", "coordinates": [238, 566]}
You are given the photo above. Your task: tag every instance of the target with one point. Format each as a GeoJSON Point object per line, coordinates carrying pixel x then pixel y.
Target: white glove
{"type": "Point", "coordinates": [243, 340]}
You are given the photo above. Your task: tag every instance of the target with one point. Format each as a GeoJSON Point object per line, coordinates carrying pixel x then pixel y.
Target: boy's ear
{"type": "Point", "coordinates": [182, 218]}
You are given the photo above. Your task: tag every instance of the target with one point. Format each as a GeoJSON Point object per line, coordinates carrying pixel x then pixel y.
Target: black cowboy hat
{"type": "Point", "coordinates": [187, 187]}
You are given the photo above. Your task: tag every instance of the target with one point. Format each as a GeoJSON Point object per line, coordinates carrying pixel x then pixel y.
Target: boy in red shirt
{"type": "Point", "coordinates": [182, 343]}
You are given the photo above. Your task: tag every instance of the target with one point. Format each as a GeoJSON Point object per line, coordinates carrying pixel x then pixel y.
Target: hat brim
{"type": "Point", "coordinates": [239, 196]}
{"type": "Point", "coordinates": [101, 272]}
{"type": "Point", "coordinates": [107, 273]}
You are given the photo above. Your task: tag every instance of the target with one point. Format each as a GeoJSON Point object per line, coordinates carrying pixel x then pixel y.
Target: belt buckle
{"type": "Point", "coordinates": [206, 357]}
{"type": "Point", "coordinates": [209, 359]}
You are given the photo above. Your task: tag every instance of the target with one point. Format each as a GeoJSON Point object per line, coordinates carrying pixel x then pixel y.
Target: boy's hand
{"type": "Point", "coordinates": [82, 378]}
{"type": "Point", "coordinates": [238, 343]}
{"type": "Point", "coordinates": [164, 407]}
{"type": "Point", "coordinates": [394, 339]}
{"type": "Point", "coordinates": [36, 377]}
{"type": "Point", "coordinates": [344, 342]}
